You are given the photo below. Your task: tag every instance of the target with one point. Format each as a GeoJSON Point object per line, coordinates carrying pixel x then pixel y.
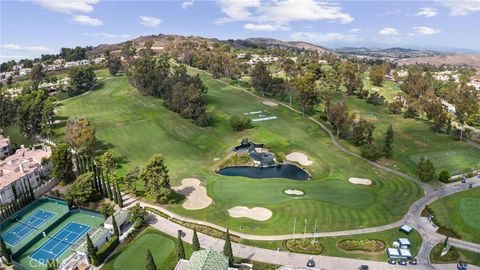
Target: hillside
{"type": "Point", "coordinates": [160, 41]}
{"type": "Point", "coordinates": [451, 59]}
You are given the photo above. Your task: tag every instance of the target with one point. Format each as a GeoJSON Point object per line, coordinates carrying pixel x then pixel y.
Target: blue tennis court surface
{"type": "Point", "coordinates": [60, 242]}
{"type": "Point", "coordinates": [26, 226]}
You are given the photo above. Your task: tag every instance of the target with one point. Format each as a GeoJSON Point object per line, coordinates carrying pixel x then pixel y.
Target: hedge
{"type": "Point", "coordinates": [105, 250]}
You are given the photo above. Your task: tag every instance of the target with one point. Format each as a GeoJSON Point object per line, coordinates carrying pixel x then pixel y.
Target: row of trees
{"type": "Point", "coordinates": [20, 199]}
{"type": "Point", "coordinates": [33, 112]}
{"type": "Point", "coordinates": [182, 93]}
{"type": "Point", "coordinates": [227, 250]}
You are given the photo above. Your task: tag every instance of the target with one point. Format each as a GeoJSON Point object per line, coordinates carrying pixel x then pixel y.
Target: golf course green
{"type": "Point", "coordinates": [461, 213]}
{"type": "Point", "coordinates": [135, 127]}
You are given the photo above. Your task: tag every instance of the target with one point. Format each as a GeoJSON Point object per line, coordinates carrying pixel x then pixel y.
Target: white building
{"type": "Point", "coordinates": [24, 71]}
{"type": "Point", "coordinates": [99, 60]}
{"type": "Point", "coordinates": [5, 146]}
{"type": "Point", "coordinates": [71, 64]}
{"type": "Point", "coordinates": [25, 165]}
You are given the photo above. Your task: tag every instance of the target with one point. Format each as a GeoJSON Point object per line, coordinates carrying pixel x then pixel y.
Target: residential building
{"type": "Point", "coordinates": [204, 259]}
{"type": "Point", "coordinates": [99, 60]}
{"type": "Point", "coordinates": [24, 71]}
{"type": "Point", "coordinates": [23, 167]}
{"type": "Point", "coordinates": [5, 146]}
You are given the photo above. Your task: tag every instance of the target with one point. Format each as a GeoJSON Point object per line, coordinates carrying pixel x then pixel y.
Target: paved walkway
{"type": "Point", "coordinates": [422, 225]}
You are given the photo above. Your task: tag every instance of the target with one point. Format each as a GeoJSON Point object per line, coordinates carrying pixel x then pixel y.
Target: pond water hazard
{"type": "Point", "coordinates": [287, 171]}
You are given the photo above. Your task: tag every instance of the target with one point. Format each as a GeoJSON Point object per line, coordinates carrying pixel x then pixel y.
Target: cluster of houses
{"type": "Point", "coordinates": [57, 64]}
{"type": "Point", "coordinates": [444, 76]}
{"type": "Point", "coordinates": [268, 59]}
{"type": "Point", "coordinates": [24, 167]}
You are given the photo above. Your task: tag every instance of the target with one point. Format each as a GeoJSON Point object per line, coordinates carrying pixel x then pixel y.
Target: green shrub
{"type": "Point", "coordinates": [239, 123]}
{"type": "Point", "coordinates": [444, 176]}
{"type": "Point", "coordinates": [105, 250]}
{"type": "Point", "coordinates": [371, 151]}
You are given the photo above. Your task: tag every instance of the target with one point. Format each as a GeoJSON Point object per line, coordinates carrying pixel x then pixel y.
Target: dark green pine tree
{"type": "Point", "coordinates": [109, 190]}
{"type": "Point", "coordinates": [180, 248]}
{"type": "Point", "coordinates": [77, 162]}
{"type": "Point", "coordinates": [149, 262]}
{"type": "Point", "coordinates": [52, 265]}
{"type": "Point", "coordinates": [195, 242]}
{"type": "Point", "coordinates": [91, 250]}
{"type": "Point", "coordinates": [118, 195]}
{"type": "Point", "coordinates": [98, 179]}
{"type": "Point", "coordinates": [388, 146]}
{"type": "Point", "coordinates": [227, 249]}
{"type": "Point", "coordinates": [116, 231]}
{"type": "Point", "coordinates": [104, 185]}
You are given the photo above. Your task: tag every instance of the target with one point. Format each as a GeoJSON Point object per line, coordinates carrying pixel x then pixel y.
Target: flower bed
{"type": "Point", "coordinates": [368, 245]}
{"type": "Point", "coordinates": [303, 246]}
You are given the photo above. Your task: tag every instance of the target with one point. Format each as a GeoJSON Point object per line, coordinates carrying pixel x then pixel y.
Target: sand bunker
{"type": "Point", "coordinates": [256, 213]}
{"type": "Point", "coordinates": [293, 192]}
{"type": "Point", "coordinates": [270, 103]}
{"type": "Point", "coordinates": [360, 181]}
{"type": "Point", "coordinates": [301, 158]}
{"type": "Point", "coordinates": [197, 197]}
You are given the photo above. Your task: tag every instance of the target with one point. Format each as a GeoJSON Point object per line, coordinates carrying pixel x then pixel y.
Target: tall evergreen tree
{"type": "Point", "coordinates": [91, 250]}
{"type": "Point", "coordinates": [425, 170]}
{"type": "Point", "coordinates": [30, 191]}
{"type": "Point", "coordinates": [149, 262]}
{"type": "Point", "coordinates": [195, 242]}
{"type": "Point", "coordinates": [52, 265]}
{"type": "Point", "coordinates": [109, 190]}
{"type": "Point", "coordinates": [119, 195]}
{"type": "Point", "coordinates": [116, 231]}
{"type": "Point", "coordinates": [180, 248]}
{"type": "Point", "coordinates": [388, 147]}
{"type": "Point", "coordinates": [227, 249]}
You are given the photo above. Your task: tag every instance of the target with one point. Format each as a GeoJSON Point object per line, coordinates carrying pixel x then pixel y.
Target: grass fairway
{"type": "Point", "coordinates": [135, 127]}
{"type": "Point", "coordinates": [461, 212]}
{"type": "Point", "coordinates": [132, 256]}
{"type": "Point", "coordinates": [329, 244]}
{"type": "Point", "coordinates": [413, 139]}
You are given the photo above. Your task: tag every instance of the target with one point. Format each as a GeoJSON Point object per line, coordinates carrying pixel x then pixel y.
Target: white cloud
{"type": "Point", "coordinates": [107, 35]}
{"type": "Point", "coordinates": [237, 10]}
{"type": "Point", "coordinates": [20, 48]}
{"type": "Point", "coordinates": [461, 7]}
{"type": "Point", "coordinates": [86, 20]}
{"type": "Point", "coordinates": [187, 4]}
{"type": "Point", "coordinates": [327, 37]}
{"type": "Point", "coordinates": [265, 27]}
{"type": "Point", "coordinates": [150, 21]}
{"type": "Point", "coordinates": [296, 10]}
{"type": "Point", "coordinates": [427, 12]}
{"type": "Point", "coordinates": [424, 30]}
{"type": "Point", "coordinates": [355, 30]}
{"type": "Point", "coordinates": [68, 6]}
{"type": "Point", "coordinates": [387, 31]}
{"type": "Point", "coordinates": [281, 12]}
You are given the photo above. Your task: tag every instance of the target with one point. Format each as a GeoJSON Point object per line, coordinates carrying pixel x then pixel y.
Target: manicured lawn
{"type": "Point", "coordinates": [389, 89]}
{"type": "Point", "coordinates": [13, 132]}
{"type": "Point", "coordinates": [329, 244]}
{"type": "Point", "coordinates": [414, 138]}
{"type": "Point", "coordinates": [132, 256]}
{"type": "Point", "coordinates": [135, 127]}
{"type": "Point", "coordinates": [460, 212]}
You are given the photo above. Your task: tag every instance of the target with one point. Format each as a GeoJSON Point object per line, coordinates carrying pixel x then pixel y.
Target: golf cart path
{"type": "Point", "coordinates": [412, 218]}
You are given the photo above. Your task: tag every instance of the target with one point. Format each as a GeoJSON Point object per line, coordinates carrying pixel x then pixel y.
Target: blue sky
{"type": "Point", "coordinates": [30, 28]}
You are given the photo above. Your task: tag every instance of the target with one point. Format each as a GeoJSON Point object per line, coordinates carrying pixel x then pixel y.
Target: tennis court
{"type": "Point", "coordinates": [26, 226]}
{"type": "Point", "coordinates": [60, 242]}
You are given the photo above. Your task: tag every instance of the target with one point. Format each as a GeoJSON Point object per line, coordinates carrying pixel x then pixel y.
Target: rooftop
{"type": "Point", "coordinates": [205, 259]}
{"type": "Point", "coordinates": [23, 162]}
{"type": "Point", "coordinates": [4, 141]}
{"type": "Point", "coordinates": [120, 217]}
